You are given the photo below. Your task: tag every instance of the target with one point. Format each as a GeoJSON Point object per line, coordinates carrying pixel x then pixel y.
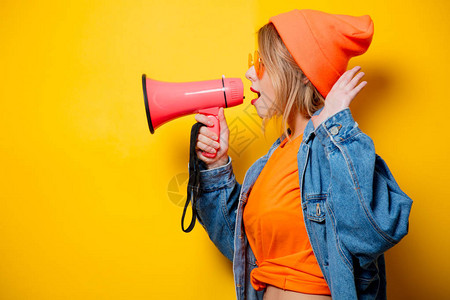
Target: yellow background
{"type": "Point", "coordinates": [85, 204]}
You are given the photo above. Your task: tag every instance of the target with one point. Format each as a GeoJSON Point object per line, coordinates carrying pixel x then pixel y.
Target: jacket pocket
{"type": "Point", "coordinates": [314, 206]}
{"type": "Point", "coordinates": [314, 211]}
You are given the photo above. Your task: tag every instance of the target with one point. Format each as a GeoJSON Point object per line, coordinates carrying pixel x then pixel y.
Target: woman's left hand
{"type": "Point", "coordinates": [340, 95]}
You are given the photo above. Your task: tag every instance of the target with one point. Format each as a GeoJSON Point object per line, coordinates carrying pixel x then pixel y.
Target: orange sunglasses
{"type": "Point", "coordinates": [259, 65]}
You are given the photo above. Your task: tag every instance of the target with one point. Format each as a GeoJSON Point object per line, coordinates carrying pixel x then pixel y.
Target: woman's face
{"type": "Point", "coordinates": [264, 88]}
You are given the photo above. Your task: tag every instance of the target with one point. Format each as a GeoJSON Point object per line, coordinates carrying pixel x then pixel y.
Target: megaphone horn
{"type": "Point", "coordinates": [165, 101]}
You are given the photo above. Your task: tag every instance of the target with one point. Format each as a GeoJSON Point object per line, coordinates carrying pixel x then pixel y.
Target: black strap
{"type": "Point", "coordinates": [193, 187]}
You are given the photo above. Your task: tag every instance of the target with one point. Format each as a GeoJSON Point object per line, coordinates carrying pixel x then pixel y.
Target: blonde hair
{"type": "Point", "coordinates": [294, 93]}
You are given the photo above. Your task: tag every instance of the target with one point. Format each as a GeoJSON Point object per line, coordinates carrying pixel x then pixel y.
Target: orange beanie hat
{"type": "Point", "coordinates": [322, 43]}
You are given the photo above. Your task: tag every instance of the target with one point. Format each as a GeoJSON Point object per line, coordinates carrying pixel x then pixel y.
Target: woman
{"type": "Point", "coordinates": [313, 216]}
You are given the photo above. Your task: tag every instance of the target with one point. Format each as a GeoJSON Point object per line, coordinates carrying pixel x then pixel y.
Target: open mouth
{"type": "Point", "coordinates": [258, 93]}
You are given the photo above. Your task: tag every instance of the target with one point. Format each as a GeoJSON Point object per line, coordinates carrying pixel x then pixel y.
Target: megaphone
{"type": "Point", "coordinates": [165, 101]}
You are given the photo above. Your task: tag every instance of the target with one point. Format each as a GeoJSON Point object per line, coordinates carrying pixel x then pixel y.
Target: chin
{"type": "Point", "coordinates": [260, 116]}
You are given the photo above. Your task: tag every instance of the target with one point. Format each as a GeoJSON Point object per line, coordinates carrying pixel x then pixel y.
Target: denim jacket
{"type": "Point", "coordinates": [352, 207]}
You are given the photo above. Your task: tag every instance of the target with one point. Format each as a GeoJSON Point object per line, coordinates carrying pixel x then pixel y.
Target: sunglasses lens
{"type": "Point", "coordinates": [256, 62]}
{"type": "Point", "coordinates": [259, 67]}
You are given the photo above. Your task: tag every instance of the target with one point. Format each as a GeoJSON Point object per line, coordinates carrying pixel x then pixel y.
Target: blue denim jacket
{"type": "Point", "coordinates": [352, 206]}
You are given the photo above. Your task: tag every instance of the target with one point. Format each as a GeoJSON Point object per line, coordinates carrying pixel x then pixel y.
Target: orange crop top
{"type": "Point", "coordinates": [275, 228]}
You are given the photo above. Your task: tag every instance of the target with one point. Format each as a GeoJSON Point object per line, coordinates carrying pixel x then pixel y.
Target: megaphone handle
{"type": "Point", "coordinates": [213, 114]}
{"type": "Point", "coordinates": [216, 129]}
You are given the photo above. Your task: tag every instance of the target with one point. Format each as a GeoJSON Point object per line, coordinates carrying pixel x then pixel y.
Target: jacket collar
{"type": "Point", "coordinates": [308, 133]}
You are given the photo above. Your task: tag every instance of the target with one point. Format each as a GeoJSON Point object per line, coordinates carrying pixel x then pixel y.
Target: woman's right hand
{"type": "Point", "coordinates": [207, 141]}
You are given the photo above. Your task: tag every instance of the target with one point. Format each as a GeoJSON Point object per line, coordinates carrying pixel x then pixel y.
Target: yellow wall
{"type": "Point", "coordinates": [88, 198]}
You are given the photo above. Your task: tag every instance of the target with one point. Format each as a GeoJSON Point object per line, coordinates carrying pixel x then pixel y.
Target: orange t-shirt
{"type": "Point", "coordinates": [275, 229]}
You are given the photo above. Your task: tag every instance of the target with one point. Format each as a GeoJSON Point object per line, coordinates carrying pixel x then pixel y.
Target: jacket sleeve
{"type": "Point", "coordinates": [370, 210]}
{"type": "Point", "coordinates": [216, 206]}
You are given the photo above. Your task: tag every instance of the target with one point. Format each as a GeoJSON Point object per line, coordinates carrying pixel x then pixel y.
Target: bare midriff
{"type": "Point", "coordinates": [274, 293]}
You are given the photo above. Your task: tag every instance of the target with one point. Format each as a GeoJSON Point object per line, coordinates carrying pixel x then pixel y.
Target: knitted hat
{"type": "Point", "coordinates": [322, 43]}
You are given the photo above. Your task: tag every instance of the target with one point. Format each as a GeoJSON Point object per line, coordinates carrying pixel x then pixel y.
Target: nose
{"type": "Point", "coordinates": [251, 74]}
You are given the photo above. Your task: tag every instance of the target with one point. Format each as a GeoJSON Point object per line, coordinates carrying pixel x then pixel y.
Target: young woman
{"type": "Point", "coordinates": [314, 216]}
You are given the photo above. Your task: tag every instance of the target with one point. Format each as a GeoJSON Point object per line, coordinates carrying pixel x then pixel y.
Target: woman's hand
{"type": "Point", "coordinates": [207, 141]}
{"type": "Point", "coordinates": [340, 95]}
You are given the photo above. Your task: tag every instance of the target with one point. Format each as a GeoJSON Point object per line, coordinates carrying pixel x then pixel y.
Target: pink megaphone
{"type": "Point", "coordinates": [165, 101]}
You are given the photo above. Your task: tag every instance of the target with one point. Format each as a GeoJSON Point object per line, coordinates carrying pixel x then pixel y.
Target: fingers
{"type": "Point", "coordinates": [207, 140]}
{"type": "Point", "coordinates": [356, 90]}
{"type": "Point", "coordinates": [207, 143]}
{"type": "Point", "coordinates": [221, 115]}
{"type": "Point", "coordinates": [350, 87]}
{"type": "Point", "coordinates": [355, 80]}
{"type": "Point", "coordinates": [223, 123]}
{"type": "Point", "coordinates": [207, 133]}
{"type": "Point", "coordinates": [206, 147]}
{"type": "Point", "coordinates": [224, 131]}
{"type": "Point", "coordinates": [347, 76]}
{"type": "Point", "coordinates": [203, 119]}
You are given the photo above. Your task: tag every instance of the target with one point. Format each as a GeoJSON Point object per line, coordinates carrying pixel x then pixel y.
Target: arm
{"type": "Point", "coordinates": [219, 191]}
{"type": "Point", "coordinates": [217, 204]}
{"type": "Point", "coordinates": [370, 210]}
